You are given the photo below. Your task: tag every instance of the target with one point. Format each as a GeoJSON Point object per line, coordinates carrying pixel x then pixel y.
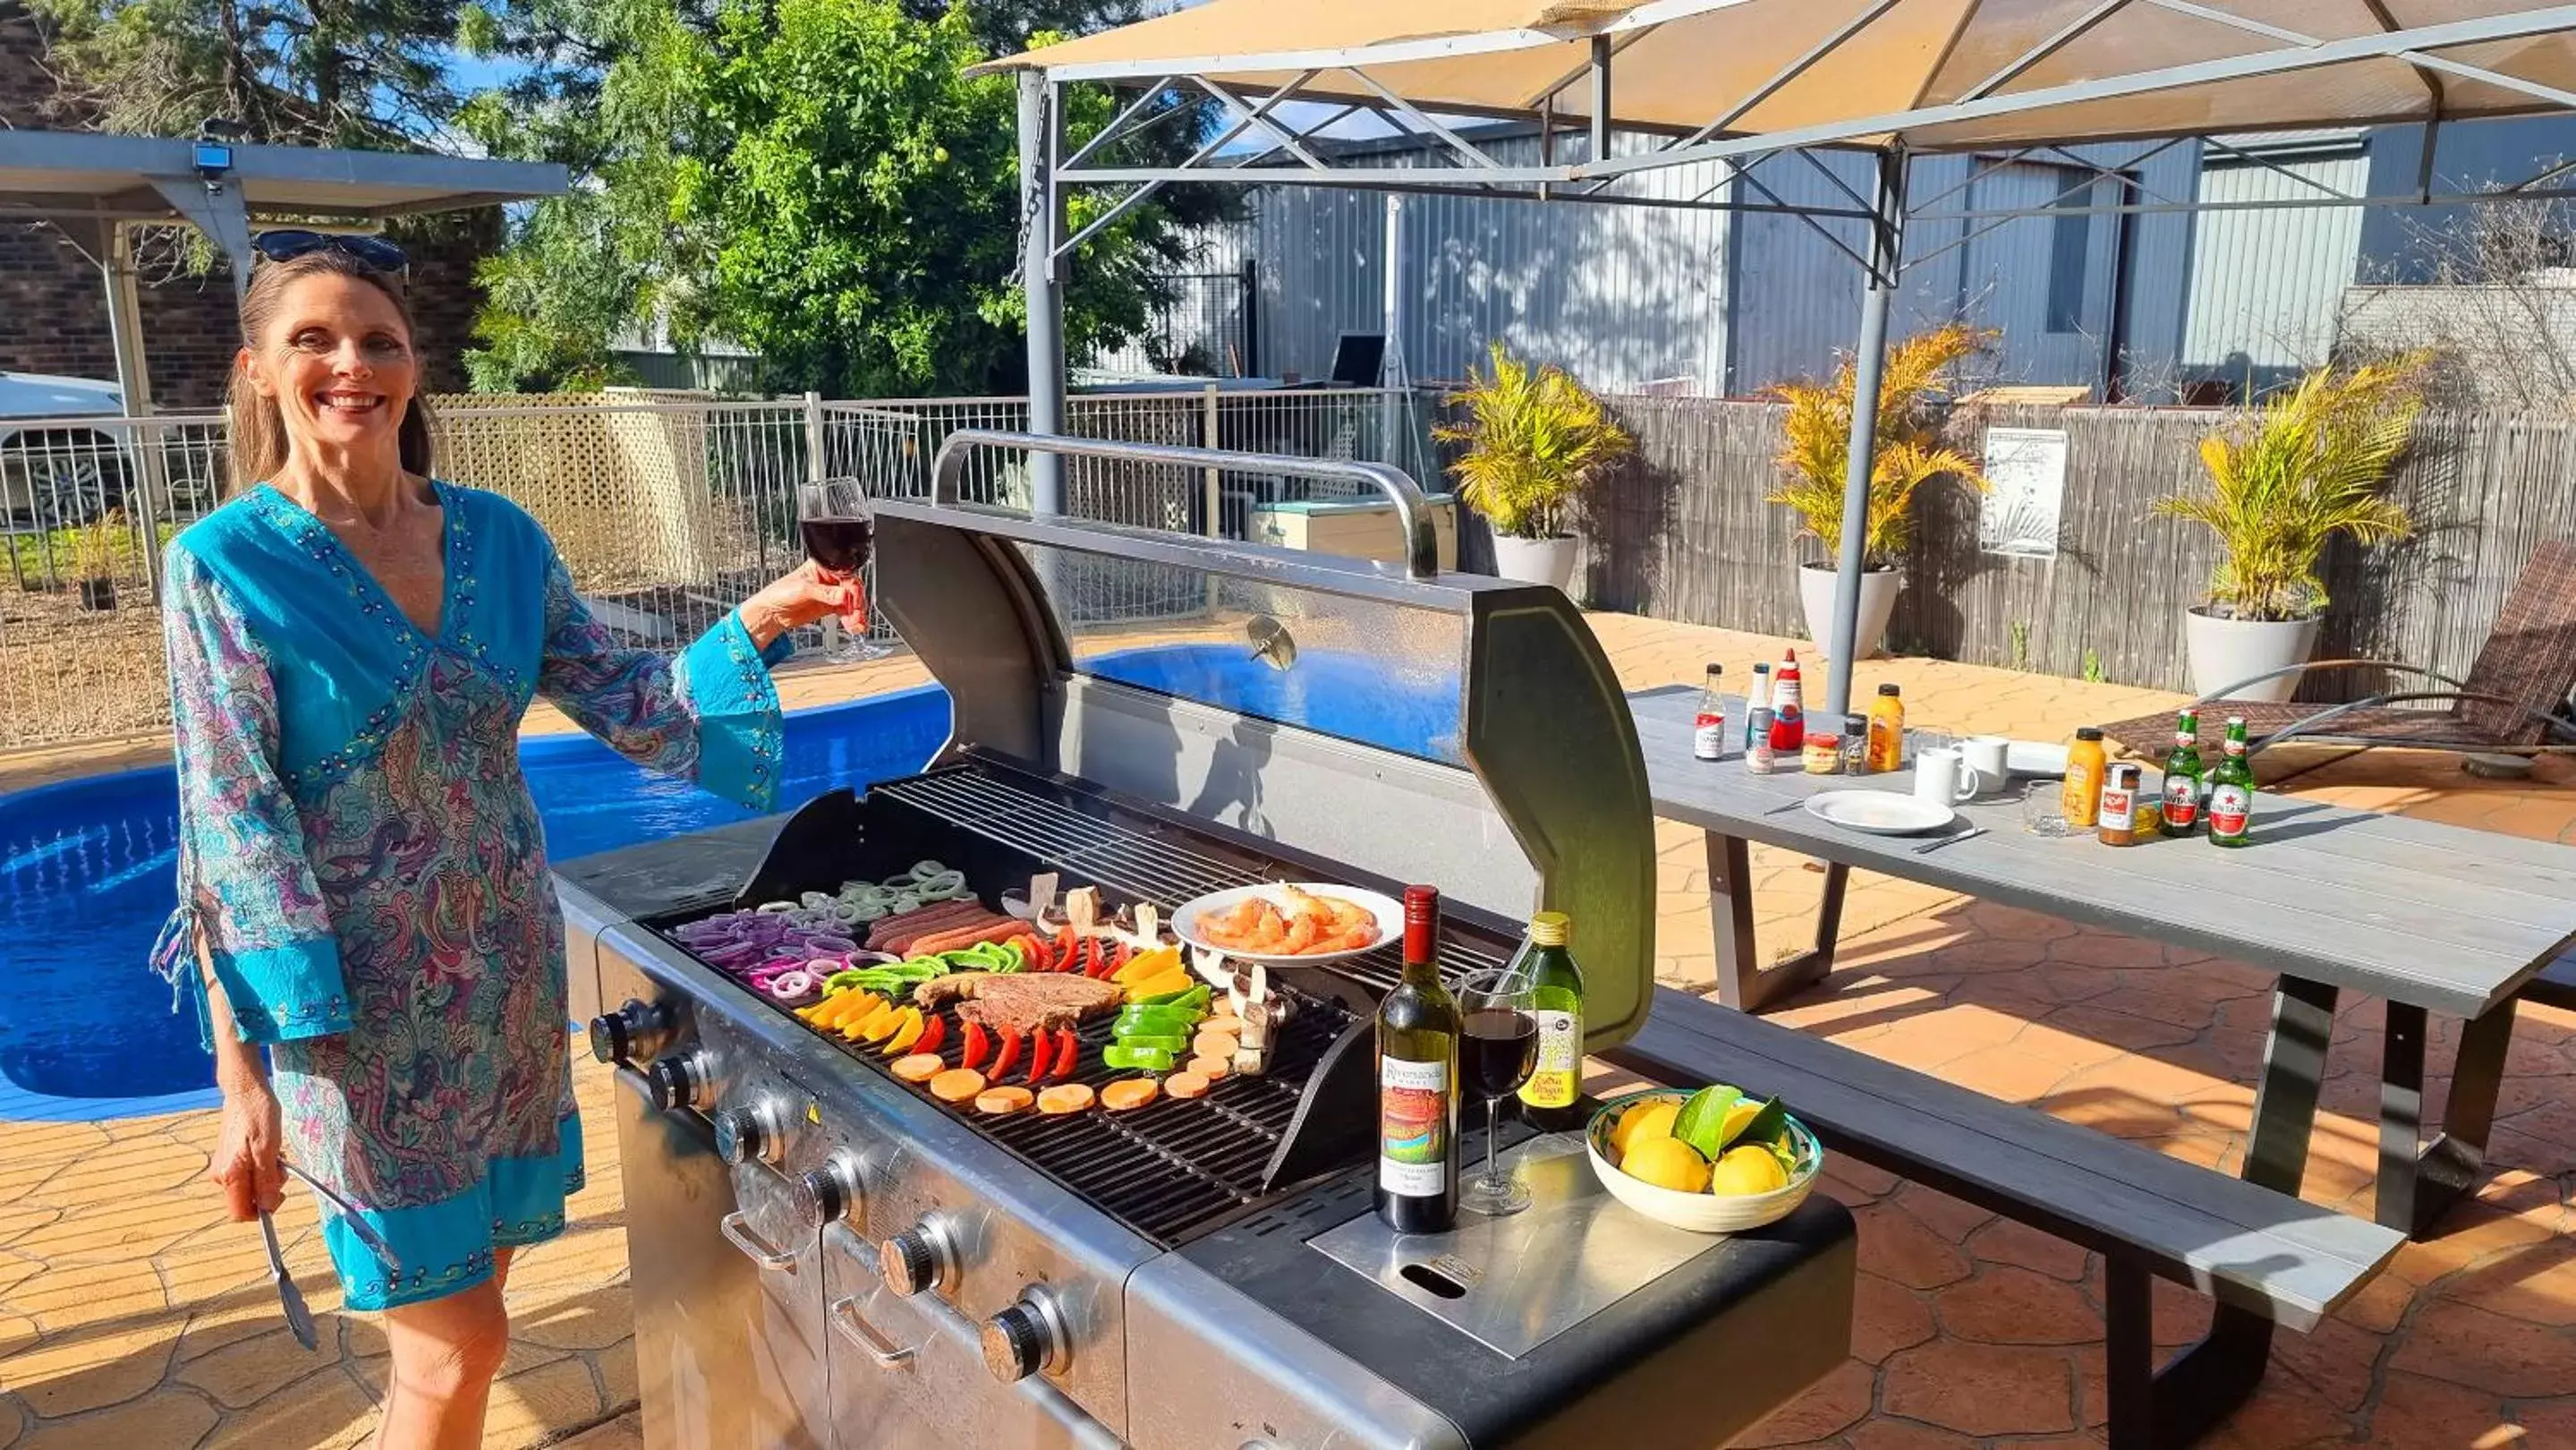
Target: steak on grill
{"type": "Point", "coordinates": [1019, 1001]}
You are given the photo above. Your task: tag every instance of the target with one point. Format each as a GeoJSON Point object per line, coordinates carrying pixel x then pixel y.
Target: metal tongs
{"type": "Point", "coordinates": [299, 1315]}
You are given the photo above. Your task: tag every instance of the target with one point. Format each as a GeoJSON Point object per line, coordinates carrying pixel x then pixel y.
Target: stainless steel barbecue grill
{"type": "Point", "coordinates": [823, 1256]}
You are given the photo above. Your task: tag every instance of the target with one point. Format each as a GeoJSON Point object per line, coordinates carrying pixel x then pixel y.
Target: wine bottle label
{"type": "Point", "coordinates": [1413, 1127]}
{"type": "Point", "coordinates": [2182, 801]}
{"type": "Point", "coordinates": [2229, 808]}
{"type": "Point", "coordinates": [1560, 1061]}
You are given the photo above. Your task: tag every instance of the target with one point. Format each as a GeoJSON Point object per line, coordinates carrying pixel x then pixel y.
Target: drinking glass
{"type": "Point", "coordinates": [838, 528]}
{"type": "Point", "coordinates": [2043, 808]}
{"type": "Point", "coordinates": [1499, 1050]}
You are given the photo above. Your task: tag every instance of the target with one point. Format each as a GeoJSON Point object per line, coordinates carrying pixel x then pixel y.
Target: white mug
{"type": "Point", "coordinates": [1943, 778]}
{"type": "Point", "coordinates": [1984, 754]}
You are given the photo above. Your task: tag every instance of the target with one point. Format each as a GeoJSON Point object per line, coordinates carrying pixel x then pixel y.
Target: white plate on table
{"type": "Point", "coordinates": [1878, 812]}
{"type": "Point", "coordinates": [2035, 757]}
{"type": "Point", "coordinates": [1386, 911]}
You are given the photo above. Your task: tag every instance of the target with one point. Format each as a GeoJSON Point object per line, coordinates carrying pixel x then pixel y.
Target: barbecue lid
{"type": "Point", "coordinates": [1417, 724]}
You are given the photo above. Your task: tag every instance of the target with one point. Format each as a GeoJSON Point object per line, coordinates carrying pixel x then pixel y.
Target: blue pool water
{"type": "Point", "coordinates": [86, 866]}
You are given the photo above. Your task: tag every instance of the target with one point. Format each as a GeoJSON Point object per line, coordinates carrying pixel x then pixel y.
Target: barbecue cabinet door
{"type": "Point", "coordinates": [707, 1376]}
{"type": "Point", "coordinates": [876, 1343]}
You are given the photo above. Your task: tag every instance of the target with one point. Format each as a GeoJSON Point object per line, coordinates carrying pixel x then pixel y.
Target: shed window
{"type": "Point", "coordinates": [2070, 238]}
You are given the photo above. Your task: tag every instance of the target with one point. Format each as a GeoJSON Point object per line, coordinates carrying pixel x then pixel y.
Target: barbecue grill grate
{"type": "Point", "coordinates": [1175, 1169]}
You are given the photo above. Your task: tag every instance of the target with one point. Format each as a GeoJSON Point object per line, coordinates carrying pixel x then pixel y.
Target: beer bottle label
{"type": "Point", "coordinates": [1560, 1061]}
{"type": "Point", "coordinates": [2182, 801]}
{"type": "Point", "coordinates": [2230, 807]}
{"type": "Point", "coordinates": [1413, 1127]}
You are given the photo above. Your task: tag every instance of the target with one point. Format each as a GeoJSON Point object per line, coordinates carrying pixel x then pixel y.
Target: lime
{"type": "Point", "coordinates": [1704, 1119]}
{"type": "Point", "coordinates": [1666, 1163]}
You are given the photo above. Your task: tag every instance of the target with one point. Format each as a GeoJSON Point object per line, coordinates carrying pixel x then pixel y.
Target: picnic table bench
{"type": "Point", "coordinates": [2268, 1258]}
{"type": "Point", "coordinates": [2427, 916]}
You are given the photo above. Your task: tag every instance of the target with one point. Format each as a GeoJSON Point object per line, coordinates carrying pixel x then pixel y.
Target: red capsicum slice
{"type": "Point", "coordinates": [933, 1035]}
{"type": "Point", "coordinates": [1041, 1055]}
{"type": "Point", "coordinates": [1039, 958]}
{"type": "Point", "coordinates": [1008, 1057]}
{"type": "Point", "coordinates": [1067, 950]}
{"type": "Point", "coordinates": [978, 1042]}
{"type": "Point", "coordinates": [1097, 961]}
{"type": "Point", "coordinates": [1068, 1051]}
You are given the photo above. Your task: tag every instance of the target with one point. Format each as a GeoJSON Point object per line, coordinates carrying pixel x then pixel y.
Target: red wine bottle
{"type": "Point", "coordinates": [1417, 1082]}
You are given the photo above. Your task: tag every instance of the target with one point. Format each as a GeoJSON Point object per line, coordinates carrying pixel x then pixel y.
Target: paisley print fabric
{"type": "Point", "coordinates": [364, 866]}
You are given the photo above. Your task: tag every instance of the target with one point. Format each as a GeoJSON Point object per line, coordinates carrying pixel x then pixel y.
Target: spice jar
{"type": "Point", "coordinates": [1823, 750]}
{"type": "Point", "coordinates": [2117, 823]}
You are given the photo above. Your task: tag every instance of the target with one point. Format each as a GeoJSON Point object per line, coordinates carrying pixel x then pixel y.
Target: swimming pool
{"type": "Point", "coordinates": [86, 865]}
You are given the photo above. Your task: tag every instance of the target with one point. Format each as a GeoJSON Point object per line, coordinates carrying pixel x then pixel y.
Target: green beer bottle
{"type": "Point", "coordinates": [1549, 1098]}
{"type": "Point", "coordinates": [2183, 770]}
{"type": "Point", "coordinates": [2231, 791]}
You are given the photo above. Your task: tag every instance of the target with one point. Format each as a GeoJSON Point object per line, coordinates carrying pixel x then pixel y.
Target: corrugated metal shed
{"type": "Point", "coordinates": [2267, 286]}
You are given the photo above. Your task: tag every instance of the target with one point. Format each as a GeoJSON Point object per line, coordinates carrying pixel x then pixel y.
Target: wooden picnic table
{"type": "Point", "coordinates": [2427, 916]}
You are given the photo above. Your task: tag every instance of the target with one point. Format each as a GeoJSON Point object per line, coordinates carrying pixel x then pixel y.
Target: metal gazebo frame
{"type": "Point", "coordinates": [1338, 83]}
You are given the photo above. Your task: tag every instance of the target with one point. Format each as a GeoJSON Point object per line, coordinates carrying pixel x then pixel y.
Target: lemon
{"type": "Point", "coordinates": [1740, 1117]}
{"type": "Point", "coordinates": [1749, 1169]}
{"type": "Point", "coordinates": [1648, 1118]}
{"type": "Point", "coordinates": [1667, 1163]}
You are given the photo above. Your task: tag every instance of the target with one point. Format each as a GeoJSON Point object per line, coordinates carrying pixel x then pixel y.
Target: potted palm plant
{"type": "Point", "coordinates": [1534, 440]}
{"type": "Point", "coordinates": [1906, 453]}
{"type": "Point", "coordinates": [95, 551]}
{"type": "Point", "coordinates": [2282, 484]}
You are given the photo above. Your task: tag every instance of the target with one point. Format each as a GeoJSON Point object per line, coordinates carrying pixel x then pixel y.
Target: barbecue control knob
{"type": "Point", "coordinates": [1022, 1339]}
{"type": "Point", "coordinates": [749, 1132]}
{"type": "Point", "coordinates": [909, 1262]}
{"type": "Point", "coordinates": [631, 1031]}
{"type": "Point", "coordinates": [677, 1081]}
{"type": "Point", "coordinates": [826, 1195]}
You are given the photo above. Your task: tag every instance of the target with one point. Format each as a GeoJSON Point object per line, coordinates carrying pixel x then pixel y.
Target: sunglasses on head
{"type": "Point", "coordinates": [289, 244]}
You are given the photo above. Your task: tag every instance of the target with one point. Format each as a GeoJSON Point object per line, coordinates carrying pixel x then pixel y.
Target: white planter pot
{"type": "Point", "coordinates": [1877, 601]}
{"type": "Point", "coordinates": [2224, 651]}
{"type": "Point", "coordinates": [1536, 561]}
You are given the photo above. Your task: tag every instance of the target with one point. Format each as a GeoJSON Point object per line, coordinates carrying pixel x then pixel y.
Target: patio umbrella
{"type": "Point", "coordinates": [1733, 80]}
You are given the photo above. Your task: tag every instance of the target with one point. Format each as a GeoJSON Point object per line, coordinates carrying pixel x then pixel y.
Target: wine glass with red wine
{"type": "Point", "coordinates": [838, 528]}
{"type": "Point", "coordinates": [1497, 1051]}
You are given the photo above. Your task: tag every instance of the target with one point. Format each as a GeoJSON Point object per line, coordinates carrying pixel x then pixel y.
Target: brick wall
{"type": "Point", "coordinates": [53, 303]}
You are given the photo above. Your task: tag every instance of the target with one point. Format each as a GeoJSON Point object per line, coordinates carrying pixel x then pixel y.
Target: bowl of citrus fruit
{"type": "Point", "coordinates": [1711, 1161]}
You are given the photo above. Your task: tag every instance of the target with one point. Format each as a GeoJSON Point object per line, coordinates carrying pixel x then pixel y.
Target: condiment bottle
{"type": "Point", "coordinates": [1822, 749]}
{"type": "Point", "coordinates": [1886, 731]}
{"type": "Point", "coordinates": [2082, 793]}
{"type": "Point", "coordinates": [1788, 708]}
{"type": "Point", "coordinates": [1757, 701]}
{"type": "Point", "coordinates": [1708, 731]}
{"type": "Point", "coordinates": [2118, 823]}
{"type": "Point", "coordinates": [1759, 757]}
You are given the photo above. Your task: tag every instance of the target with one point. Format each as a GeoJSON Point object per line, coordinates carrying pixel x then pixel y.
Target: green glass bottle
{"type": "Point", "coordinates": [2183, 771]}
{"type": "Point", "coordinates": [2231, 791]}
{"type": "Point", "coordinates": [1551, 1096]}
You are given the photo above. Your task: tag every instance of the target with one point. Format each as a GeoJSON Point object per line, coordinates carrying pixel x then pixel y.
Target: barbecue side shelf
{"type": "Point", "coordinates": [1176, 1169]}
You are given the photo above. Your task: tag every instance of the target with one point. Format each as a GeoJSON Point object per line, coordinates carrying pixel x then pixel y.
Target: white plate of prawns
{"type": "Point", "coordinates": [1289, 922]}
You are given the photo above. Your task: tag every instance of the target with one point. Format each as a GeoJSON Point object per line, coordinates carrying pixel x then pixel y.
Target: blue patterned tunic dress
{"type": "Point", "coordinates": [360, 855]}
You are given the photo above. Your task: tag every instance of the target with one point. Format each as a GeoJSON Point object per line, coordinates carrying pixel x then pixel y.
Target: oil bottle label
{"type": "Point", "coordinates": [1413, 1127]}
{"type": "Point", "coordinates": [1708, 738]}
{"type": "Point", "coordinates": [2230, 806]}
{"type": "Point", "coordinates": [1560, 1061]}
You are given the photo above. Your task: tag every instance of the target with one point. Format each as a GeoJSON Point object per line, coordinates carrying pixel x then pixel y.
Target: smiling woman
{"type": "Point", "coordinates": [362, 881]}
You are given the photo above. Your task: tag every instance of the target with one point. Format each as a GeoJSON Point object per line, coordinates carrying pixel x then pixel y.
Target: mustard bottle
{"type": "Point", "coordinates": [2082, 795]}
{"type": "Point", "coordinates": [1886, 731]}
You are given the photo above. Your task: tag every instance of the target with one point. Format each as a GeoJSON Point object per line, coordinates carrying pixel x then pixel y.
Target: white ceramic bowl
{"type": "Point", "coordinates": [1705, 1213]}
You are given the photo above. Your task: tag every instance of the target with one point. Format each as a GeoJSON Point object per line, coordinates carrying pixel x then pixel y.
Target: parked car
{"type": "Point", "coordinates": [60, 474]}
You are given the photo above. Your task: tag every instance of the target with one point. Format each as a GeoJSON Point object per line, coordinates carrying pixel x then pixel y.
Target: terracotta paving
{"type": "Point", "coordinates": [130, 1316]}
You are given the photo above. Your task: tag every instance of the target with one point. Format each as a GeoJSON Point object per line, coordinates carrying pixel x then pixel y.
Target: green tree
{"type": "Point", "coordinates": [369, 73]}
{"type": "Point", "coordinates": [816, 179]}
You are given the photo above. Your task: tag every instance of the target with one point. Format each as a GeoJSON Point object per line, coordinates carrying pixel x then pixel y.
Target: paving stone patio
{"type": "Point", "coordinates": [132, 1316]}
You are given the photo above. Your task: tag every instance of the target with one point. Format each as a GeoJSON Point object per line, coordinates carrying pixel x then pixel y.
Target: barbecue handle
{"type": "Point", "coordinates": [846, 1320]}
{"type": "Point", "coordinates": [1412, 511]}
{"type": "Point", "coordinates": [738, 1232]}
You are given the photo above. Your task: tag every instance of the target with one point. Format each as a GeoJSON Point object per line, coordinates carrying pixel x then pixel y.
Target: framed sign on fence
{"type": "Point", "coordinates": [2027, 470]}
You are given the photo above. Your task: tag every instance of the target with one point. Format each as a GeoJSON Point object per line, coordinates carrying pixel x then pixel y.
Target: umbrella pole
{"type": "Point", "coordinates": [1042, 277]}
{"type": "Point", "coordinates": [1868, 359]}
